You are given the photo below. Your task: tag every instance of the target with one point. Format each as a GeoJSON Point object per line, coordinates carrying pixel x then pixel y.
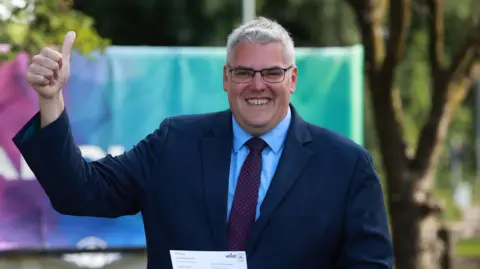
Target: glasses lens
{"type": "Point", "coordinates": [242, 75]}
{"type": "Point", "coordinates": [273, 75]}
{"type": "Point", "coordinates": [269, 75]}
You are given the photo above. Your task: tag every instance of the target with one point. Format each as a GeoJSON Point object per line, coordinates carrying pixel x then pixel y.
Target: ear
{"type": "Point", "coordinates": [225, 78]}
{"type": "Point", "coordinates": [293, 79]}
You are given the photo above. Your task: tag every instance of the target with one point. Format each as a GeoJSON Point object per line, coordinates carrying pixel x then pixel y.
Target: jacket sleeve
{"type": "Point", "coordinates": [366, 242]}
{"type": "Point", "coordinates": [108, 187]}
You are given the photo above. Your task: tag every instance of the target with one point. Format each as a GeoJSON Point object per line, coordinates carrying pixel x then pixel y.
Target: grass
{"type": "Point", "coordinates": [468, 248]}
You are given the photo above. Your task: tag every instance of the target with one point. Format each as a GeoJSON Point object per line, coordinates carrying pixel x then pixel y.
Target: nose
{"type": "Point", "coordinates": [257, 82]}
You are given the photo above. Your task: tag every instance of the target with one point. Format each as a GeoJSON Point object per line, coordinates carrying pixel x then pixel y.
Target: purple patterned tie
{"type": "Point", "coordinates": [244, 205]}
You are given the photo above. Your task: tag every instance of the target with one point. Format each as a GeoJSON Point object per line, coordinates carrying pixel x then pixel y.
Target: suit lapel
{"type": "Point", "coordinates": [216, 152]}
{"type": "Point", "coordinates": [292, 162]}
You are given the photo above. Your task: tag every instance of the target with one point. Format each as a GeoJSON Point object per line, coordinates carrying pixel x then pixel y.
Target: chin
{"type": "Point", "coordinates": [257, 124]}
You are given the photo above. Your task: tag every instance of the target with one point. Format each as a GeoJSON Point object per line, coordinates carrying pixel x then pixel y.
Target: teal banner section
{"type": "Point", "coordinates": [145, 85]}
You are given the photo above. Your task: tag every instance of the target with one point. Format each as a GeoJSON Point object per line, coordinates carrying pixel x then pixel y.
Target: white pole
{"type": "Point", "coordinates": [248, 10]}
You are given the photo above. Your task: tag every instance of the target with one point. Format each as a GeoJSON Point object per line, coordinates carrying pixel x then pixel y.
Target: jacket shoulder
{"type": "Point", "coordinates": [336, 144]}
{"type": "Point", "coordinates": [195, 124]}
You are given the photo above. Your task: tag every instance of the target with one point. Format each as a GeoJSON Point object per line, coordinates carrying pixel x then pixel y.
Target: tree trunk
{"type": "Point", "coordinates": [414, 229]}
{"type": "Point", "coordinates": [410, 179]}
{"type": "Point", "coordinates": [413, 209]}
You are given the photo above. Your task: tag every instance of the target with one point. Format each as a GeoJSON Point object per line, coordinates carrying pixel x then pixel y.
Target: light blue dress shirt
{"type": "Point", "coordinates": [270, 157]}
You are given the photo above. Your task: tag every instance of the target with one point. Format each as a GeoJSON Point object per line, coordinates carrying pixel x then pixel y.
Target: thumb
{"type": "Point", "coordinates": [67, 44]}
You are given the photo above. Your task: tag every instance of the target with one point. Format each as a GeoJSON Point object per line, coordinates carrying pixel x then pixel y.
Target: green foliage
{"type": "Point", "coordinates": [314, 23]}
{"type": "Point", "coordinates": [414, 78]}
{"type": "Point", "coordinates": [44, 23]}
{"type": "Point", "coordinates": [208, 22]}
{"type": "Point", "coordinates": [457, 16]}
{"type": "Point", "coordinates": [163, 23]}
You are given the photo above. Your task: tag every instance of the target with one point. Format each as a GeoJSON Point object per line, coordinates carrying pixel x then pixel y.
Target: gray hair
{"type": "Point", "coordinates": [261, 30]}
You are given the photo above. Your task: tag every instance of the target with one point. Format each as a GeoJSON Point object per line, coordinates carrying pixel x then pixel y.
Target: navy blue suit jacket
{"type": "Point", "coordinates": [324, 208]}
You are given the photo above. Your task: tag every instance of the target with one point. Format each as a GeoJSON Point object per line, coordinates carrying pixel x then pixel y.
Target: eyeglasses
{"type": "Point", "coordinates": [270, 75]}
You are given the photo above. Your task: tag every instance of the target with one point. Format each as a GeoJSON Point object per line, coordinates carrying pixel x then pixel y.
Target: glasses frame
{"type": "Point", "coordinates": [261, 71]}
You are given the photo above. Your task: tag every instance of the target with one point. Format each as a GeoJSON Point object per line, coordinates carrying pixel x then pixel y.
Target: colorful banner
{"type": "Point", "coordinates": [115, 99]}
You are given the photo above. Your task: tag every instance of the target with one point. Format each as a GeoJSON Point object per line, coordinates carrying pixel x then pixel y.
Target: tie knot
{"type": "Point", "coordinates": [256, 145]}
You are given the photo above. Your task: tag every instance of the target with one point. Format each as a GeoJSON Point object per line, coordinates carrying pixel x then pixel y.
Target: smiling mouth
{"type": "Point", "coordinates": [258, 101]}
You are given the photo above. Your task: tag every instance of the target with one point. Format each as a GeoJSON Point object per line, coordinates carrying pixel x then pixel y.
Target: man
{"type": "Point", "coordinates": [255, 178]}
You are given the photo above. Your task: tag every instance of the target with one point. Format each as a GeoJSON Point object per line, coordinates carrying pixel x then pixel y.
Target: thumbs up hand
{"type": "Point", "coordinates": [50, 69]}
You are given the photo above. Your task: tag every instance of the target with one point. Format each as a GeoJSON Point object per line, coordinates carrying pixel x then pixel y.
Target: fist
{"type": "Point", "coordinates": [49, 70]}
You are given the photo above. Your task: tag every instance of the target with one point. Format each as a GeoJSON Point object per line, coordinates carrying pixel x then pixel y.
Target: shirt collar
{"type": "Point", "coordinates": [274, 137]}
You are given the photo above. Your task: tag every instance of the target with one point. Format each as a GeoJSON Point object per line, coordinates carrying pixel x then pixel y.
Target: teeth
{"type": "Point", "coordinates": [257, 101]}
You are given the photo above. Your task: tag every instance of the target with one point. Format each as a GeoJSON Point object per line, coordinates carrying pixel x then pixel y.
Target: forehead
{"type": "Point", "coordinates": [256, 55]}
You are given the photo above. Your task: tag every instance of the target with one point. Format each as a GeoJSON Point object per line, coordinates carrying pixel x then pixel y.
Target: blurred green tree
{"type": "Point", "coordinates": [31, 25]}
{"type": "Point", "coordinates": [163, 23]}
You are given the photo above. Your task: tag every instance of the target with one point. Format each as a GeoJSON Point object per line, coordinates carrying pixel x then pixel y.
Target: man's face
{"type": "Point", "coordinates": [257, 103]}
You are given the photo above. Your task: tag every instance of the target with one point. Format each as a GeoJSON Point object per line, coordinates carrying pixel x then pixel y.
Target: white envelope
{"type": "Point", "coordinates": [208, 259]}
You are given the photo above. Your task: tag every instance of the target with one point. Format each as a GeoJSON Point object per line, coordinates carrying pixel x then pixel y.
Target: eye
{"type": "Point", "coordinates": [243, 73]}
{"type": "Point", "coordinates": [273, 73]}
